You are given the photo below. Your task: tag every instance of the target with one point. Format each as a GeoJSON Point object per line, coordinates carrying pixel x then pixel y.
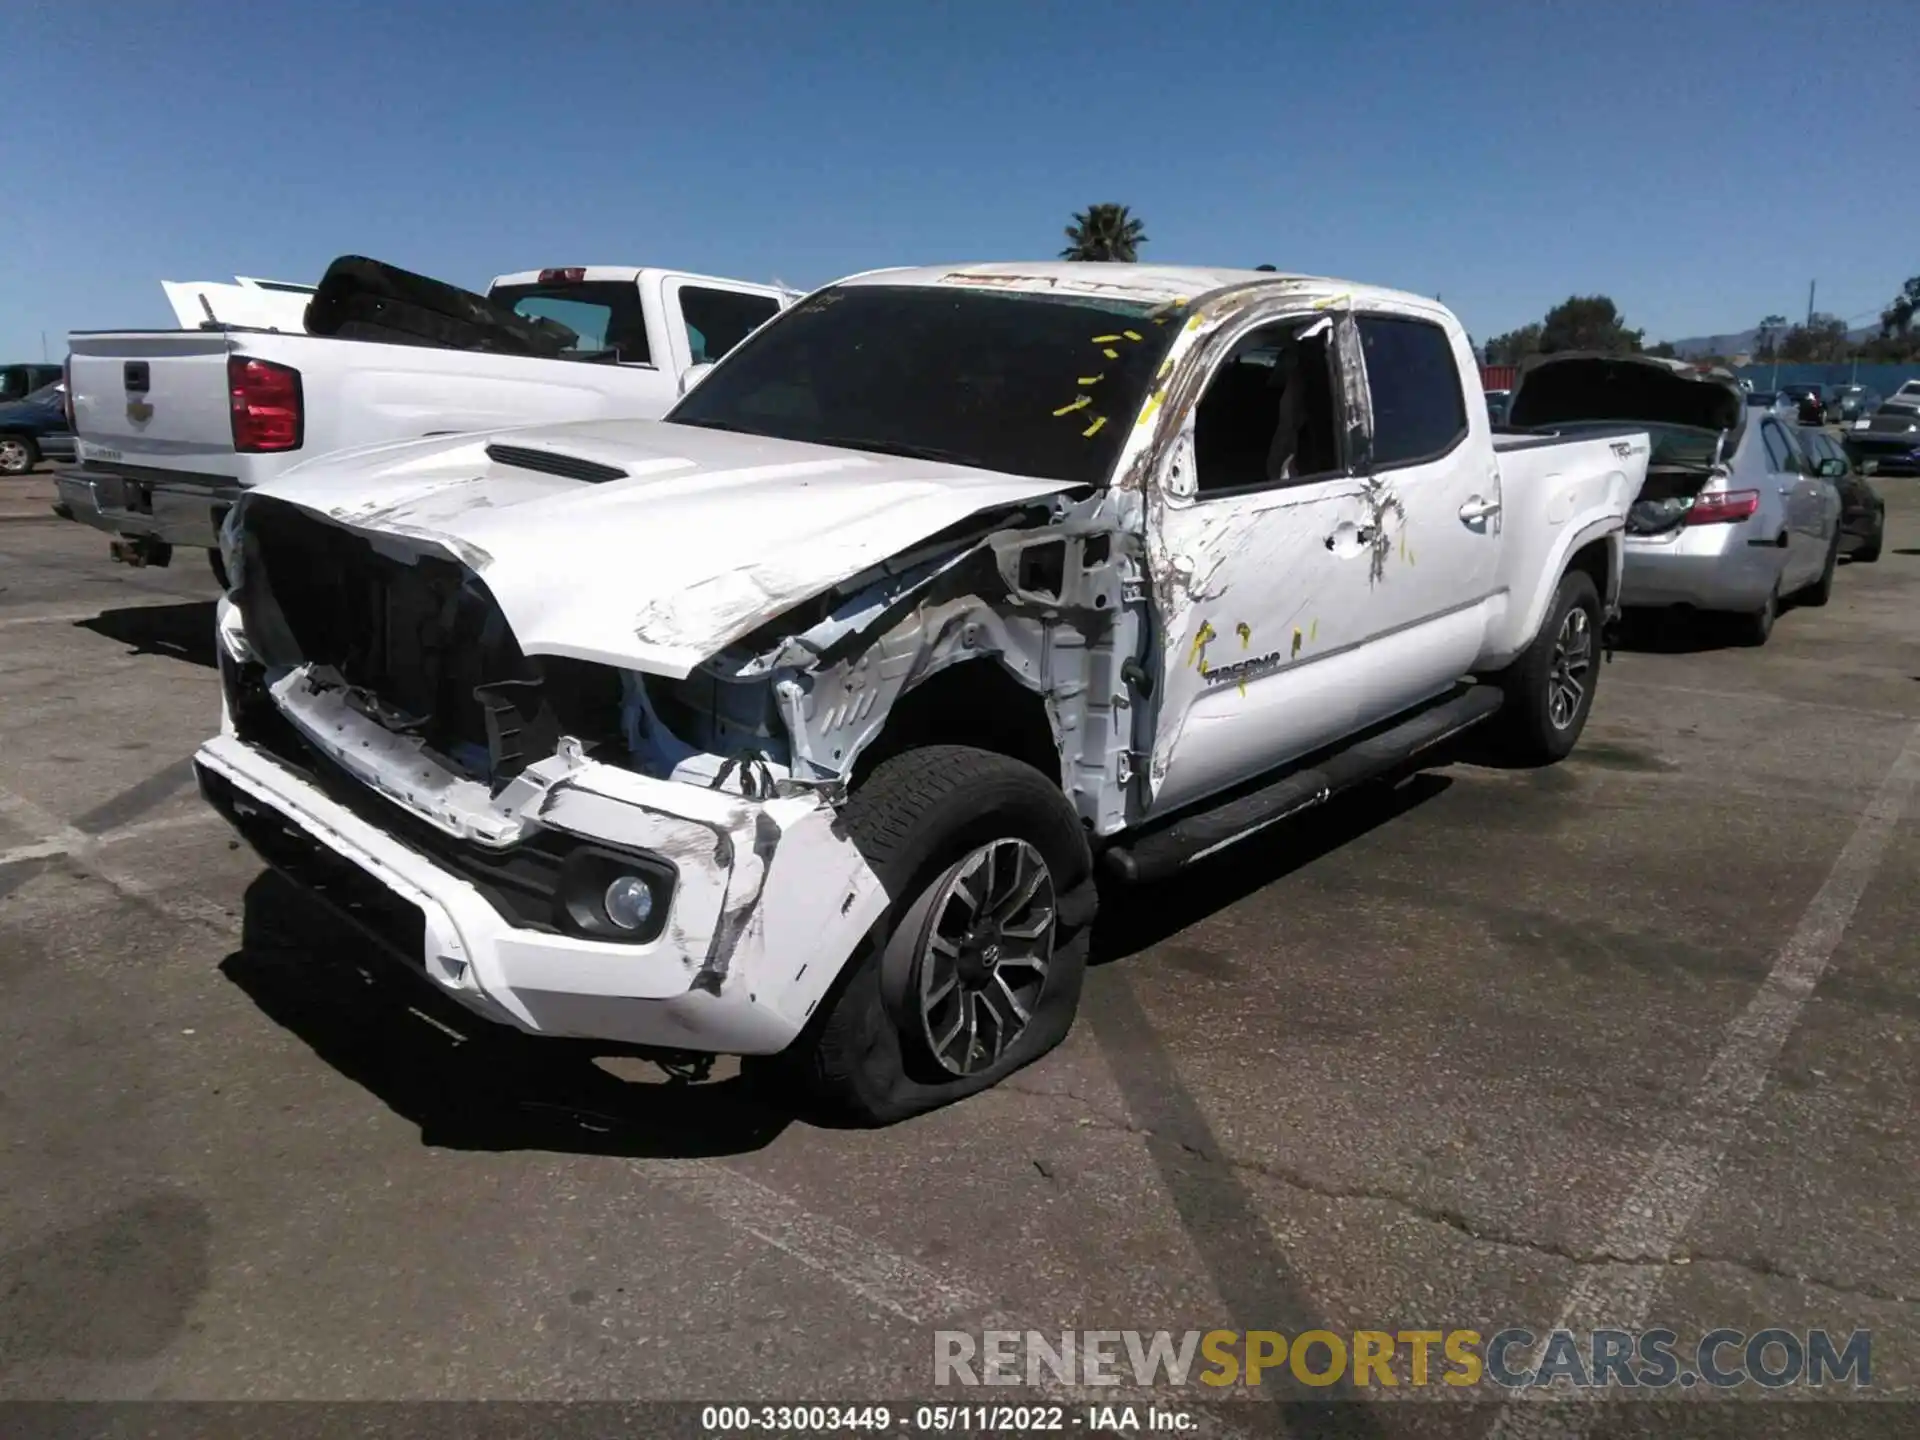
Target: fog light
{"type": "Point", "coordinates": [629, 902]}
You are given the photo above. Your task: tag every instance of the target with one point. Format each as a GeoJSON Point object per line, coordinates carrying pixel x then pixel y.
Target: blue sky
{"type": "Point", "coordinates": [1693, 160]}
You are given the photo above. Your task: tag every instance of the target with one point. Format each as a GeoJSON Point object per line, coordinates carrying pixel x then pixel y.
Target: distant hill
{"type": "Point", "coordinates": [1740, 342]}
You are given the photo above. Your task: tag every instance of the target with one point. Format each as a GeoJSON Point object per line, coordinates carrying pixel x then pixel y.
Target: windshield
{"type": "Point", "coordinates": [1040, 385]}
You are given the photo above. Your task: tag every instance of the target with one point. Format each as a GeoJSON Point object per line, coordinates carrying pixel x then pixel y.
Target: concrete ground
{"type": "Point", "coordinates": [1453, 1055]}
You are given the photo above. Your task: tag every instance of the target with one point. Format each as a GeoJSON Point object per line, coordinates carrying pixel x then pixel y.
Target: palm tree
{"type": "Point", "coordinates": [1104, 232]}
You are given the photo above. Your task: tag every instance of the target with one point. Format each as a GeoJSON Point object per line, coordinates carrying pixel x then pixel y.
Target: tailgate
{"type": "Point", "coordinates": [155, 399]}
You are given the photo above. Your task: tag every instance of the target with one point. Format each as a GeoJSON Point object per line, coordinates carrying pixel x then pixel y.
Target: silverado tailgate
{"type": "Point", "coordinates": [152, 398]}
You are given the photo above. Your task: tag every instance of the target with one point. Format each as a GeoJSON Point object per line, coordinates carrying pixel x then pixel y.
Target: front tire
{"type": "Point", "coordinates": [1550, 688]}
{"type": "Point", "coordinates": [975, 970]}
{"type": "Point", "coordinates": [18, 454]}
{"type": "Point", "coordinates": [1870, 552]}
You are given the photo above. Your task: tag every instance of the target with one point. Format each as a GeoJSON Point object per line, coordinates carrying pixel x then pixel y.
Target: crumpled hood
{"type": "Point", "coordinates": [707, 535]}
{"type": "Point", "coordinates": [1640, 389]}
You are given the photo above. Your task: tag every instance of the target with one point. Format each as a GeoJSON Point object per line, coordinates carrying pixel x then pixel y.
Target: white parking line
{"type": "Point", "coordinates": [1657, 1212]}
{"type": "Point", "coordinates": [74, 617]}
{"type": "Point", "coordinates": [84, 850]}
{"type": "Point", "coordinates": [140, 830]}
{"type": "Point", "coordinates": [886, 1280]}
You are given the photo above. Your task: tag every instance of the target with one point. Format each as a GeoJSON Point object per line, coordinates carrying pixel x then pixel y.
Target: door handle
{"type": "Point", "coordinates": [1478, 509]}
{"type": "Point", "coordinates": [1363, 536]}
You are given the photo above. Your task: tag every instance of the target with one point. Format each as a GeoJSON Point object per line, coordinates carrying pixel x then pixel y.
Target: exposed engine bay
{"type": "Point", "coordinates": [1043, 596]}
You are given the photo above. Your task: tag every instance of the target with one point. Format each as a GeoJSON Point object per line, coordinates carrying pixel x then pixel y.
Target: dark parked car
{"type": "Point", "coordinates": [19, 381]}
{"type": "Point", "coordinates": [1891, 440]}
{"type": "Point", "coordinates": [1808, 401]}
{"type": "Point", "coordinates": [34, 427]}
{"type": "Point", "coordinates": [1852, 402]}
{"type": "Point", "coordinates": [1863, 514]}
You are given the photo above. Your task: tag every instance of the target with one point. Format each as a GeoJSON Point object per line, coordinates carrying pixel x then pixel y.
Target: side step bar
{"type": "Point", "coordinates": [1158, 853]}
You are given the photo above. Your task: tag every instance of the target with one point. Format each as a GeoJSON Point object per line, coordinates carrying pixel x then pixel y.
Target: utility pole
{"type": "Point", "coordinates": [43, 345]}
{"type": "Point", "coordinates": [1810, 285]}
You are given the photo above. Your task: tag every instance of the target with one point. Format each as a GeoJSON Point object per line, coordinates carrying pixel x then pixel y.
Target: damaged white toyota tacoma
{"type": "Point", "coordinates": [792, 726]}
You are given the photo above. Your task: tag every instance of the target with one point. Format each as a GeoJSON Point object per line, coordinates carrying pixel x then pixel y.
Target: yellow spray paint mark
{"type": "Point", "coordinates": [1091, 379]}
{"type": "Point", "coordinates": [1153, 404]}
{"type": "Point", "coordinates": [1080, 402]}
{"type": "Point", "coordinates": [1094, 428]}
{"type": "Point", "coordinates": [1245, 634]}
{"type": "Point", "coordinates": [1333, 300]}
{"type": "Point", "coordinates": [1296, 641]}
{"type": "Point", "coordinates": [1409, 555]}
{"type": "Point", "coordinates": [1105, 339]}
{"type": "Point", "coordinates": [1194, 323]}
{"type": "Point", "coordinates": [1111, 353]}
{"type": "Point", "coordinates": [1403, 544]}
{"type": "Point", "coordinates": [1313, 631]}
{"type": "Point", "coordinates": [1200, 642]}
{"type": "Point", "coordinates": [1131, 334]}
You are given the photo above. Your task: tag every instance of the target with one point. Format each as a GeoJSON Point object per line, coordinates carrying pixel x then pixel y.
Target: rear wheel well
{"type": "Point", "coordinates": [977, 703]}
{"type": "Point", "coordinates": [1595, 559]}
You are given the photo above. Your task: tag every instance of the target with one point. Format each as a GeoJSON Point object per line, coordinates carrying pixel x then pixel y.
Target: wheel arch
{"type": "Point", "coordinates": [980, 703]}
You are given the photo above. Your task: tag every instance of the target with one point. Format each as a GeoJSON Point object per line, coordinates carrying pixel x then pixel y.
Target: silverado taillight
{"type": "Point", "coordinates": [1723, 507]}
{"type": "Point", "coordinates": [267, 405]}
{"type": "Point", "coordinates": [66, 393]}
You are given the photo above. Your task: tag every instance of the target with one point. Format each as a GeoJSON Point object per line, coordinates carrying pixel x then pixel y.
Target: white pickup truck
{"type": "Point", "coordinates": [793, 727]}
{"type": "Point", "coordinates": [171, 425]}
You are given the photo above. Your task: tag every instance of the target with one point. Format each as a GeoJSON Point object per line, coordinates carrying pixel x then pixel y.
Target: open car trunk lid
{"type": "Point", "coordinates": [1693, 419]}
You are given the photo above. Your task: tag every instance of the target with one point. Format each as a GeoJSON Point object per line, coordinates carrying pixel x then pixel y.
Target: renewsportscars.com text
{"type": "Point", "coordinates": [1511, 1358]}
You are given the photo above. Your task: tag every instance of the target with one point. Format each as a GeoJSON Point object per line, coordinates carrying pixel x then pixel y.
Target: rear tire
{"type": "Point", "coordinates": [18, 454]}
{"type": "Point", "coordinates": [1549, 689]}
{"type": "Point", "coordinates": [1870, 552]}
{"type": "Point", "coordinates": [938, 824]}
{"type": "Point", "coordinates": [1755, 626]}
{"type": "Point", "coordinates": [1821, 591]}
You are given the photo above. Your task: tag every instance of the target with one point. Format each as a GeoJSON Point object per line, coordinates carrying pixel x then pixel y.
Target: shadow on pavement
{"type": "Point", "coordinates": [182, 632]}
{"type": "Point", "coordinates": [467, 1083]}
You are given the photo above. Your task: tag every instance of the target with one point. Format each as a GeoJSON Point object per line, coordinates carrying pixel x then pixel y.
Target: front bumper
{"type": "Point", "coordinates": [769, 905]}
{"type": "Point", "coordinates": [184, 510]}
{"type": "Point", "coordinates": [1710, 567]}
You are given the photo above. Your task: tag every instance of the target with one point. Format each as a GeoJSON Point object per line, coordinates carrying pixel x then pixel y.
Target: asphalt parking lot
{"type": "Point", "coordinates": [1638, 1033]}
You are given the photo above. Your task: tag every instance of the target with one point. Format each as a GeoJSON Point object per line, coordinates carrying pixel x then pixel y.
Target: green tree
{"type": "Point", "coordinates": [1896, 321]}
{"type": "Point", "coordinates": [1664, 350]}
{"type": "Point", "coordinates": [1766, 337]}
{"type": "Point", "coordinates": [1587, 322]}
{"type": "Point", "coordinates": [1104, 232]}
{"type": "Point", "coordinates": [1514, 346]}
{"type": "Point", "coordinates": [1824, 340]}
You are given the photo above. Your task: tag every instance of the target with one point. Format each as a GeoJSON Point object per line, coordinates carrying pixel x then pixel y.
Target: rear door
{"type": "Point", "coordinates": [1789, 470]}
{"type": "Point", "coordinates": [157, 399]}
{"type": "Point", "coordinates": [1430, 542]}
{"type": "Point", "coordinates": [705, 320]}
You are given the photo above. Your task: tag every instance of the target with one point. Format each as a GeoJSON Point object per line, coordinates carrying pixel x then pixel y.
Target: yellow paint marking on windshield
{"type": "Point", "coordinates": [1105, 339]}
{"type": "Point", "coordinates": [1153, 404]}
{"type": "Point", "coordinates": [1092, 379]}
{"type": "Point", "coordinates": [1111, 353]}
{"type": "Point", "coordinates": [1132, 334]}
{"type": "Point", "coordinates": [1080, 402]}
{"type": "Point", "coordinates": [1094, 428]}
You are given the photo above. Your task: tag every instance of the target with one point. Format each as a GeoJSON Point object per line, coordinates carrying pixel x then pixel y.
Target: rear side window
{"type": "Point", "coordinates": [718, 320]}
{"type": "Point", "coordinates": [604, 315]}
{"type": "Point", "coordinates": [1419, 410]}
{"type": "Point", "coordinates": [1780, 458]}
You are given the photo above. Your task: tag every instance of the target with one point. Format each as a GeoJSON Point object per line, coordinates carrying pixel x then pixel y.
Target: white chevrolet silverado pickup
{"type": "Point", "coordinates": [794, 726]}
{"type": "Point", "coordinates": [171, 425]}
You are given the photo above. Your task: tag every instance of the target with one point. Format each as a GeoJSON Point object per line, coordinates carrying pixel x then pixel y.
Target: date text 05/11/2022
{"type": "Point", "coordinates": [942, 1419]}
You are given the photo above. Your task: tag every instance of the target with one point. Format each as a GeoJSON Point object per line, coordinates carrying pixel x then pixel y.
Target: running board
{"type": "Point", "coordinates": [1158, 853]}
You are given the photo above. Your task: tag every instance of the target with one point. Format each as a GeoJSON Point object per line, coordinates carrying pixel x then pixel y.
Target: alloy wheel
{"type": "Point", "coordinates": [13, 457]}
{"type": "Point", "coordinates": [1572, 660]}
{"type": "Point", "coordinates": [984, 961]}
